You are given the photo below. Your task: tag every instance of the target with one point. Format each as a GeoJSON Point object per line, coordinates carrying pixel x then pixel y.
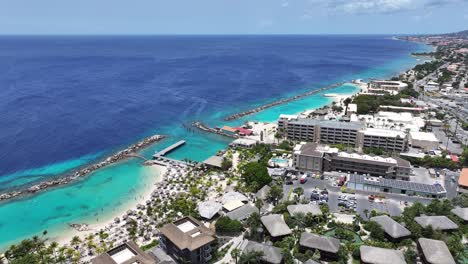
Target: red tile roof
{"type": "Point", "coordinates": [463, 180]}
{"type": "Point", "coordinates": [244, 131]}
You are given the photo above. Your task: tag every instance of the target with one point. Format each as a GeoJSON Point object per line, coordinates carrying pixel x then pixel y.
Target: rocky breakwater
{"type": "Point", "coordinates": [121, 155]}
{"type": "Point", "coordinates": [280, 102]}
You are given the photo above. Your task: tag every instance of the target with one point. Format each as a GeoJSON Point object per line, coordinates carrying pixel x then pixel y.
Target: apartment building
{"type": "Point", "coordinates": [301, 129]}
{"type": "Point", "coordinates": [386, 139]}
{"type": "Point", "coordinates": [392, 87]}
{"type": "Point", "coordinates": [333, 132]}
{"type": "Point", "coordinates": [319, 158]}
{"type": "Point", "coordinates": [389, 168]}
{"type": "Point", "coordinates": [323, 131]}
{"type": "Point", "coordinates": [187, 240]}
{"type": "Point", "coordinates": [308, 157]}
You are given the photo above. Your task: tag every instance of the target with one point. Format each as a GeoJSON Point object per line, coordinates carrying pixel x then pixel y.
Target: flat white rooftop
{"type": "Point", "coordinates": [186, 226]}
{"type": "Point", "coordinates": [426, 136]}
{"type": "Point", "coordinates": [366, 157]}
{"type": "Point", "coordinates": [232, 205]}
{"type": "Point", "coordinates": [244, 142]}
{"type": "Point", "coordinates": [288, 116]}
{"type": "Point", "coordinates": [123, 256]}
{"type": "Point", "coordinates": [383, 132]}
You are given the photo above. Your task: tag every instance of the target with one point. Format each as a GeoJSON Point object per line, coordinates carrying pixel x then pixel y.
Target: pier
{"type": "Point", "coordinates": [280, 102]}
{"type": "Point", "coordinates": [208, 129]}
{"type": "Point", "coordinates": [169, 149]}
{"type": "Point", "coordinates": [165, 161]}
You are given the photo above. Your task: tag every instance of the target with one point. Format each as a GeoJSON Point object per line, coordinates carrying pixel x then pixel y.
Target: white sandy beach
{"type": "Point", "coordinates": [105, 221]}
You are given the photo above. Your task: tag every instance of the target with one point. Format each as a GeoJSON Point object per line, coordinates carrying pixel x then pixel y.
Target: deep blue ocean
{"type": "Point", "coordinates": [67, 97]}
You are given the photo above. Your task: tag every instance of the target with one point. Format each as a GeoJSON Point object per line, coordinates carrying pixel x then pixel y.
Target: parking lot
{"type": "Point", "coordinates": [451, 147]}
{"type": "Point", "coordinates": [393, 204]}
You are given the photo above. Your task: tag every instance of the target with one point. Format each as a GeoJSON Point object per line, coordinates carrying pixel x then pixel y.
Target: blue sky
{"type": "Point", "coordinates": [232, 16]}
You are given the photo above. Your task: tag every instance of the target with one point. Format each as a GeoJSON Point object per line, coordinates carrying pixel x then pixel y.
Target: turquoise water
{"type": "Point", "coordinates": [87, 200]}
{"type": "Point", "coordinates": [278, 160]}
{"type": "Point", "coordinates": [111, 189]}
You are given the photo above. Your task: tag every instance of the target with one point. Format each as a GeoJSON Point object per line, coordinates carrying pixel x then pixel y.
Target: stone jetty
{"type": "Point", "coordinates": [121, 155]}
{"type": "Point", "coordinates": [208, 129]}
{"type": "Point", "coordinates": [280, 102]}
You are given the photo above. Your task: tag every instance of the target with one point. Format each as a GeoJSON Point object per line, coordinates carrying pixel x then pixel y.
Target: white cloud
{"type": "Point", "coordinates": [285, 4]}
{"type": "Point", "coordinates": [372, 6]}
{"type": "Point", "coordinates": [377, 6]}
{"type": "Point", "coordinates": [422, 16]}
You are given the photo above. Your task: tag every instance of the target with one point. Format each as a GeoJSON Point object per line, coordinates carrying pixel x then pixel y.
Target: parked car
{"type": "Point", "coordinates": [314, 196]}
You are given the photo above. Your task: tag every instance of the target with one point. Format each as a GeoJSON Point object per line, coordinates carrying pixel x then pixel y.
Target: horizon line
{"type": "Point", "coordinates": [212, 34]}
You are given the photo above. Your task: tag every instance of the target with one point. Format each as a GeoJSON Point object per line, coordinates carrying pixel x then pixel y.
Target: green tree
{"type": "Point", "coordinates": [464, 157]}
{"type": "Point", "coordinates": [226, 164]}
{"type": "Point", "coordinates": [337, 108]}
{"type": "Point", "coordinates": [376, 231]}
{"type": "Point", "coordinates": [251, 257]}
{"type": "Point", "coordinates": [299, 191]}
{"type": "Point", "coordinates": [410, 256]}
{"type": "Point", "coordinates": [455, 245]}
{"type": "Point", "coordinates": [275, 194]}
{"type": "Point", "coordinates": [253, 222]}
{"type": "Point", "coordinates": [75, 241]}
{"type": "Point", "coordinates": [346, 102]}
{"type": "Point", "coordinates": [235, 254]}
{"type": "Point", "coordinates": [255, 175]}
{"type": "Point", "coordinates": [286, 145]}
{"type": "Point", "coordinates": [224, 225]}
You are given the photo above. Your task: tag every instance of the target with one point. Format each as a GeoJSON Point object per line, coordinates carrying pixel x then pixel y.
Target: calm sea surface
{"type": "Point", "coordinates": [66, 101]}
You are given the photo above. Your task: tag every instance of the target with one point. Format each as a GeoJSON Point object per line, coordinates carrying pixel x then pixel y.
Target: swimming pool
{"type": "Point", "coordinates": [278, 162]}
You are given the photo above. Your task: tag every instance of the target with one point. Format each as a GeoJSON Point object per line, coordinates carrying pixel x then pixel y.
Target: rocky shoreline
{"type": "Point", "coordinates": [121, 155]}
{"type": "Point", "coordinates": [279, 102]}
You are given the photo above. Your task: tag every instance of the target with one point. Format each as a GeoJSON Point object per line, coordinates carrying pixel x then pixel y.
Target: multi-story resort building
{"type": "Point", "coordinates": [333, 132]}
{"type": "Point", "coordinates": [300, 129]}
{"type": "Point", "coordinates": [388, 140]}
{"type": "Point", "coordinates": [309, 157]}
{"type": "Point", "coordinates": [318, 158]}
{"type": "Point", "coordinates": [187, 240]}
{"type": "Point", "coordinates": [390, 168]}
{"type": "Point", "coordinates": [392, 87]}
{"type": "Point", "coordinates": [323, 131]}
{"type": "Point", "coordinates": [353, 134]}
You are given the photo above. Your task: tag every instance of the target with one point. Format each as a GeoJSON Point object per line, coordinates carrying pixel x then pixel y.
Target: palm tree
{"type": "Point", "coordinates": [299, 221]}
{"type": "Point", "coordinates": [75, 241]}
{"type": "Point", "coordinates": [251, 257]}
{"type": "Point", "coordinates": [53, 246]}
{"type": "Point", "coordinates": [346, 102]}
{"type": "Point", "coordinates": [446, 126]}
{"type": "Point", "coordinates": [366, 213]}
{"type": "Point", "coordinates": [235, 253]}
